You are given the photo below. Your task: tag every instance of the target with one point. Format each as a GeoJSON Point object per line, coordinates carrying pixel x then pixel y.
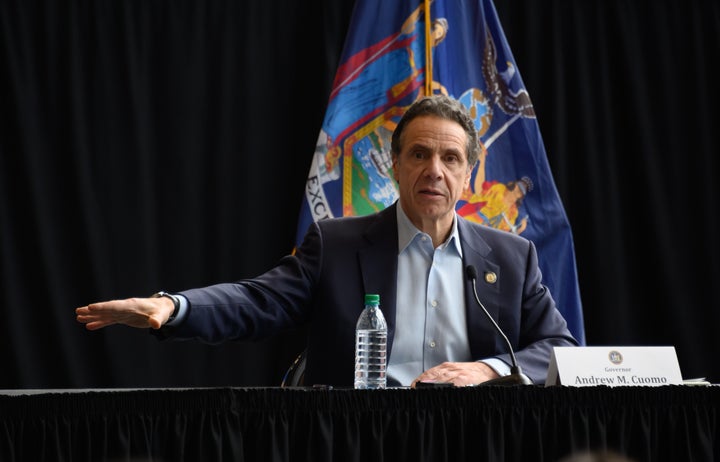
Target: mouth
{"type": "Point", "coordinates": [428, 192]}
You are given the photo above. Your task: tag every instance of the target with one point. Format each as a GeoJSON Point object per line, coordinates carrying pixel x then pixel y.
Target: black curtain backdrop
{"type": "Point", "coordinates": [149, 145]}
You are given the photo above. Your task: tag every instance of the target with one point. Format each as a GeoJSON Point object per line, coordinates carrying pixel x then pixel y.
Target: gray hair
{"type": "Point", "coordinates": [443, 107]}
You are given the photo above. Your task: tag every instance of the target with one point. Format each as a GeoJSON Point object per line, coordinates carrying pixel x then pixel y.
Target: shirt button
{"type": "Point", "coordinates": [432, 344]}
{"type": "Point", "coordinates": [434, 303]}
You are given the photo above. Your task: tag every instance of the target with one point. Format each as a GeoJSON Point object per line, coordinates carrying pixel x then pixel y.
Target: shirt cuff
{"type": "Point", "coordinates": [182, 311]}
{"type": "Point", "coordinates": [498, 365]}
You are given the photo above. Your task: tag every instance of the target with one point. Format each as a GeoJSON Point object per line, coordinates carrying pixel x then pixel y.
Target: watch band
{"type": "Point", "coordinates": [175, 300]}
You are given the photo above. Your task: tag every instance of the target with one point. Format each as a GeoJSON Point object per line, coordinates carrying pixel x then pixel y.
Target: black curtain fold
{"type": "Point", "coordinates": [165, 145]}
{"type": "Point", "coordinates": [491, 423]}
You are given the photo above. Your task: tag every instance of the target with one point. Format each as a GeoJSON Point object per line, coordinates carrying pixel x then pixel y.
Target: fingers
{"type": "Point", "coordinates": [441, 373]}
{"type": "Point", "coordinates": [459, 374]}
{"type": "Point", "coordinates": [96, 309]}
{"type": "Point", "coordinates": [95, 325]}
{"type": "Point", "coordinates": [133, 312]}
{"type": "Point", "coordinates": [92, 321]}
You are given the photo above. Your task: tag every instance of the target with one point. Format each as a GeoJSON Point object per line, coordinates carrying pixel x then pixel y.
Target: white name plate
{"type": "Point", "coordinates": [613, 366]}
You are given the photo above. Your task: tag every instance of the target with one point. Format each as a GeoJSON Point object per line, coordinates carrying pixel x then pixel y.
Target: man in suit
{"type": "Point", "coordinates": [414, 254]}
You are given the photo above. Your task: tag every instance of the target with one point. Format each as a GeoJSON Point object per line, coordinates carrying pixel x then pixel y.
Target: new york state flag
{"type": "Point", "coordinates": [397, 52]}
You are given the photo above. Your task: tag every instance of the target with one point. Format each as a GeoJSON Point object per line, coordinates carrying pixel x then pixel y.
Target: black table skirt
{"type": "Point", "coordinates": [670, 423]}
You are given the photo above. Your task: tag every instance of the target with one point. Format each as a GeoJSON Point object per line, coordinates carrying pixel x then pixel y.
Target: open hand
{"type": "Point", "coordinates": [133, 312]}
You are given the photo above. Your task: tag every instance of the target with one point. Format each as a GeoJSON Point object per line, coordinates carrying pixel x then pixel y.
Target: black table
{"type": "Point", "coordinates": [530, 423]}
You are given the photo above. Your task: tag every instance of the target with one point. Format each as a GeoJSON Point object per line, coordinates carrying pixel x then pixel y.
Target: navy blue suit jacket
{"type": "Point", "coordinates": [340, 260]}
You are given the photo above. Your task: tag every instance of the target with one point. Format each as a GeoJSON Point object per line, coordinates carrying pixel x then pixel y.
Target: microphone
{"type": "Point", "coordinates": [516, 376]}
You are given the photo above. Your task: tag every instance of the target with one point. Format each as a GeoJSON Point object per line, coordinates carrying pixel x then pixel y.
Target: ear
{"type": "Point", "coordinates": [468, 176]}
{"type": "Point", "coordinates": [395, 168]}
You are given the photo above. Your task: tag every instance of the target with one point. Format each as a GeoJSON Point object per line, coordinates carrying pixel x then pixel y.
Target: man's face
{"type": "Point", "coordinates": [432, 171]}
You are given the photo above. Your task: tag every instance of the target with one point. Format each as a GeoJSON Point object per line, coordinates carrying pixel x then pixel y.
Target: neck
{"type": "Point", "coordinates": [439, 230]}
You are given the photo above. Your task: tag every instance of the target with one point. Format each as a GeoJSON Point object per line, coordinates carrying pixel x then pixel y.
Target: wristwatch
{"type": "Point", "coordinates": [175, 300]}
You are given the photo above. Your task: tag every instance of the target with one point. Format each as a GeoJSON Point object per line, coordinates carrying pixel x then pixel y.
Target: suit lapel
{"type": "Point", "coordinates": [378, 264]}
{"type": "Point", "coordinates": [481, 334]}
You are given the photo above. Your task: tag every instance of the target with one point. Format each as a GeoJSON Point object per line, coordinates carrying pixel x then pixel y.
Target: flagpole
{"type": "Point", "coordinates": [428, 49]}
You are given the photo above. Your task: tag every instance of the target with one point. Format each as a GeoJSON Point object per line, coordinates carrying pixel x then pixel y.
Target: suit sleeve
{"type": "Point", "coordinates": [542, 326]}
{"type": "Point", "coordinates": [255, 308]}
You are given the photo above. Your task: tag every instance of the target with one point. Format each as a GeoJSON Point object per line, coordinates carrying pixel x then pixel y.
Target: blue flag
{"type": "Point", "coordinates": [397, 52]}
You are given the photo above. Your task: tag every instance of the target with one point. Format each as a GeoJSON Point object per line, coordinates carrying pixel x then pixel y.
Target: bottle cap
{"type": "Point", "coordinates": [372, 299]}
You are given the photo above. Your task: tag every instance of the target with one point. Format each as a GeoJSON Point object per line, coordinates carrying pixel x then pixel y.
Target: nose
{"type": "Point", "coordinates": [434, 167]}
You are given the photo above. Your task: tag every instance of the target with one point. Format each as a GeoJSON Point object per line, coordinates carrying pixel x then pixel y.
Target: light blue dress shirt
{"type": "Point", "coordinates": [431, 327]}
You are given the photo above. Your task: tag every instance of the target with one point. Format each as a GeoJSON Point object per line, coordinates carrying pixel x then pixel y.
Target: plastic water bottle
{"type": "Point", "coordinates": [371, 346]}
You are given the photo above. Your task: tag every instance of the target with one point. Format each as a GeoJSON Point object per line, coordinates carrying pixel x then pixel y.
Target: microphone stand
{"type": "Point", "coordinates": [516, 377]}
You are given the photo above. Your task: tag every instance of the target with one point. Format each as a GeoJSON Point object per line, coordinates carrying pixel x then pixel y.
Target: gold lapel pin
{"type": "Point", "coordinates": [490, 277]}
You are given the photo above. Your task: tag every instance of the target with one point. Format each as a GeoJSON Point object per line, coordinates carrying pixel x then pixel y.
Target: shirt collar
{"type": "Point", "coordinates": [407, 232]}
